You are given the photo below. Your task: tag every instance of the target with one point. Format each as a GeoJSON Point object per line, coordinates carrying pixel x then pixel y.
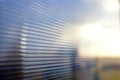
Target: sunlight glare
{"type": "Point", "coordinates": [96, 40]}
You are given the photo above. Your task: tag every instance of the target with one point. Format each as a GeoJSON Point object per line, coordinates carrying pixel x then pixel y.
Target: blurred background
{"type": "Point", "coordinates": [60, 40]}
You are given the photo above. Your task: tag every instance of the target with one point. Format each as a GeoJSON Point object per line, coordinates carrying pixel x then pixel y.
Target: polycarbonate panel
{"type": "Point", "coordinates": [31, 45]}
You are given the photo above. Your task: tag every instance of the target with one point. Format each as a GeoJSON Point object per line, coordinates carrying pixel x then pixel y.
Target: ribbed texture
{"type": "Point", "coordinates": [30, 40]}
